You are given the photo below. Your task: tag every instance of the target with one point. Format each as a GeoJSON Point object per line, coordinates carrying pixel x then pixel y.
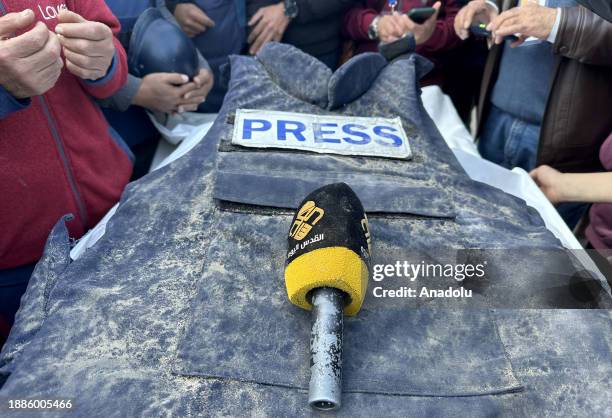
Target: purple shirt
{"type": "Point", "coordinates": [599, 231]}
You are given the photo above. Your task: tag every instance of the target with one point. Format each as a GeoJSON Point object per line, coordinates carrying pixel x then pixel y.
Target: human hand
{"type": "Point", "coordinates": [476, 11]}
{"type": "Point", "coordinates": [551, 182]}
{"type": "Point", "coordinates": [421, 32]}
{"type": "Point", "coordinates": [527, 21]}
{"type": "Point", "coordinates": [163, 92]}
{"type": "Point", "coordinates": [192, 20]}
{"type": "Point", "coordinates": [88, 46]}
{"type": "Point", "coordinates": [31, 63]}
{"type": "Point", "coordinates": [202, 83]}
{"type": "Point", "coordinates": [268, 24]}
{"type": "Point", "coordinates": [390, 28]}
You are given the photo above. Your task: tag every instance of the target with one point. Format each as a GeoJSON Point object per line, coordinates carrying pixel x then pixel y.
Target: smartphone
{"type": "Point", "coordinates": [480, 30]}
{"type": "Point", "coordinates": [420, 14]}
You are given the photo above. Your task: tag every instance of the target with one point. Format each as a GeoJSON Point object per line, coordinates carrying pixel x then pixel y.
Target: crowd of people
{"type": "Point", "coordinates": [74, 128]}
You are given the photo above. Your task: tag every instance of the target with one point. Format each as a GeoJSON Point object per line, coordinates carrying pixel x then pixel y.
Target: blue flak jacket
{"type": "Point", "coordinates": [181, 308]}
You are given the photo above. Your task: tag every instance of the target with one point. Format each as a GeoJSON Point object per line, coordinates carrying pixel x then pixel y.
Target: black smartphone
{"type": "Point", "coordinates": [420, 14]}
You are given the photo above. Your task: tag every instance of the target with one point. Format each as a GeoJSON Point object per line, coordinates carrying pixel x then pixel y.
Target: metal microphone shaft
{"type": "Point", "coordinates": [326, 348]}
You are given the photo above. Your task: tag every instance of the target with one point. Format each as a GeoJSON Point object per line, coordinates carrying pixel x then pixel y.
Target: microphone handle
{"type": "Point", "coordinates": [325, 389]}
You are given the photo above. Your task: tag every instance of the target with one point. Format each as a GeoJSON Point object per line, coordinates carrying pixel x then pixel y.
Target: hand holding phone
{"type": "Point", "coordinates": [480, 31]}
{"type": "Point", "coordinates": [420, 14]}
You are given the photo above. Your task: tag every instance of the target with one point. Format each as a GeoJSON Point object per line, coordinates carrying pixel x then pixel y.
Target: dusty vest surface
{"type": "Point", "coordinates": [181, 308]}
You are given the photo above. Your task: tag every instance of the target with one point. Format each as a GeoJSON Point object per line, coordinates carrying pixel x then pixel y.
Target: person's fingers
{"type": "Point", "coordinates": [67, 16]}
{"type": "Point", "coordinates": [256, 32]}
{"type": "Point", "coordinates": [92, 31]}
{"type": "Point", "coordinates": [174, 79]}
{"type": "Point", "coordinates": [200, 18]}
{"type": "Point", "coordinates": [84, 73]}
{"type": "Point", "coordinates": [53, 67]}
{"type": "Point", "coordinates": [52, 71]}
{"type": "Point", "coordinates": [256, 17]}
{"type": "Point", "coordinates": [437, 5]}
{"type": "Point", "coordinates": [400, 28]}
{"type": "Point", "coordinates": [256, 40]}
{"type": "Point", "coordinates": [12, 22]}
{"type": "Point", "coordinates": [181, 91]}
{"type": "Point", "coordinates": [82, 46]}
{"type": "Point", "coordinates": [499, 20]}
{"type": "Point", "coordinates": [402, 25]}
{"type": "Point", "coordinates": [276, 37]}
{"type": "Point", "coordinates": [260, 42]}
{"type": "Point", "coordinates": [194, 26]}
{"type": "Point", "coordinates": [84, 61]}
{"type": "Point", "coordinates": [203, 78]}
{"type": "Point", "coordinates": [470, 11]}
{"type": "Point", "coordinates": [48, 56]}
{"type": "Point", "coordinates": [28, 43]}
{"type": "Point", "coordinates": [194, 101]}
{"type": "Point", "coordinates": [510, 29]}
{"type": "Point", "coordinates": [190, 108]}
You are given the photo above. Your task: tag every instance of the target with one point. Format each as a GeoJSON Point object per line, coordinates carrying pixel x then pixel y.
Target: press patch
{"type": "Point", "coordinates": [325, 134]}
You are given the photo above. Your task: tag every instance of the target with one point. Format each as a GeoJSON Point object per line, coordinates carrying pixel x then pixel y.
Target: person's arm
{"type": "Point", "coordinates": [584, 36]}
{"type": "Point", "coordinates": [591, 187]}
{"type": "Point", "coordinates": [357, 21]}
{"type": "Point", "coordinates": [444, 37]}
{"type": "Point", "coordinates": [116, 75]}
{"type": "Point", "coordinates": [124, 97]}
{"type": "Point", "coordinates": [573, 187]}
{"type": "Point", "coordinates": [165, 7]}
{"type": "Point", "coordinates": [311, 10]}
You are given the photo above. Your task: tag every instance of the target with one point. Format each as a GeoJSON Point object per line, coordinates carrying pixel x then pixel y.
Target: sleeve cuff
{"type": "Point", "coordinates": [171, 4]}
{"type": "Point", "coordinates": [366, 21]}
{"type": "Point", "coordinates": [552, 37]}
{"type": "Point", "coordinates": [10, 104]}
{"type": "Point", "coordinates": [109, 74]}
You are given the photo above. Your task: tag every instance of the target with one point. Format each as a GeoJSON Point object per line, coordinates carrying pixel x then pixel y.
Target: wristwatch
{"type": "Point", "coordinates": [373, 29]}
{"type": "Point", "coordinates": [291, 8]}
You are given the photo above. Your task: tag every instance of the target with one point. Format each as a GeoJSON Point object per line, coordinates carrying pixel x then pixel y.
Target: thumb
{"type": "Point", "coordinates": [436, 6]}
{"type": "Point", "coordinates": [12, 22]}
{"type": "Point", "coordinates": [66, 16]}
{"type": "Point", "coordinates": [175, 79]}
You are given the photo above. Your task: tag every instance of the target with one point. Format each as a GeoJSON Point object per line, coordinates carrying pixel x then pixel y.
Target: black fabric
{"type": "Point", "coordinates": [602, 8]}
{"type": "Point", "coordinates": [317, 34]}
{"type": "Point", "coordinates": [13, 284]}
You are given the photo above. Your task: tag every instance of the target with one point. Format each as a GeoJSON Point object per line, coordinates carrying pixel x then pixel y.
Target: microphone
{"type": "Point", "coordinates": [326, 271]}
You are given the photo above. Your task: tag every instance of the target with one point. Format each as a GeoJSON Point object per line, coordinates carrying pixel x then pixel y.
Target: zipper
{"type": "Point", "coordinates": [62, 151]}
{"type": "Point", "coordinates": [2, 9]}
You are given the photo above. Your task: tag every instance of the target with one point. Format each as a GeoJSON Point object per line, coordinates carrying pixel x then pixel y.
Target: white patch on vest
{"type": "Point", "coordinates": [51, 12]}
{"type": "Point", "coordinates": [326, 134]}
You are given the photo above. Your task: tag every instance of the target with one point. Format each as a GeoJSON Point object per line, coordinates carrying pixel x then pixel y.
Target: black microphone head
{"type": "Point", "coordinates": [329, 246]}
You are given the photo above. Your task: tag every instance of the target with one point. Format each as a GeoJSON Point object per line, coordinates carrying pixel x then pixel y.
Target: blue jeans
{"type": "Point", "coordinates": [508, 141]}
{"type": "Point", "coordinates": [512, 142]}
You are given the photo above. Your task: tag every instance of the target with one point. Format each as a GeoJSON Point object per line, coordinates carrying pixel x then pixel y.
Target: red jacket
{"type": "Point", "coordinates": [57, 155]}
{"type": "Point", "coordinates": [358, 19]}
